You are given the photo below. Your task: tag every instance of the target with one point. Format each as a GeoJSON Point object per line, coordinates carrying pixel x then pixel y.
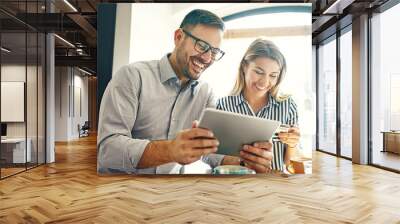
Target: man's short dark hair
{"type": "Point", "coordinates": [204, 17]}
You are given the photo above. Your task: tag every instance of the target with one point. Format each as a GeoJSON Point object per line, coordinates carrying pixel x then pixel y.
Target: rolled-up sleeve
{"type": "Point", "coordinates": [118, 150]}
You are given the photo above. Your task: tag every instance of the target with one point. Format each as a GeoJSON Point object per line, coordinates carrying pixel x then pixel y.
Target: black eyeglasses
{"type": "Point", "coordinates": [203, 47]}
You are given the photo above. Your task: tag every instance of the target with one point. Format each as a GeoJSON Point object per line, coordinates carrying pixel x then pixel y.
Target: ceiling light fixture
{"type": "Point", "coordinates": [65, 41]}
{"type": "Point", "coordinates": [70, 5]}
{"type": "Point", "coordinates": [5, 50]}
{"type": "Point", "coordinates": [338, 6]}
{"type": "Point", "coordinates": [80, 51]}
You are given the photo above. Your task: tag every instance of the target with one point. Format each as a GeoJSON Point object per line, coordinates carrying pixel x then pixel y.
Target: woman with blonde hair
{"type": "Point", "coordinates": [256, 93]}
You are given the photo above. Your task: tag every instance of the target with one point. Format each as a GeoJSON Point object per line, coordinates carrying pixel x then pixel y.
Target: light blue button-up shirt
{"type": "Point", "coordinates": [145, 101]}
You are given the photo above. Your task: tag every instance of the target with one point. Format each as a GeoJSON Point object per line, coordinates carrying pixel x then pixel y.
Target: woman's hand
{"type": "Point", "coordinates": [258, 156]}
{"type": "Point", "coordinates": [290, 138]}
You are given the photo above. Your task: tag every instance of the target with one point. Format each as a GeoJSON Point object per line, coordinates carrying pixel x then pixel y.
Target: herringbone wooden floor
{"type": "Point", "coordinates": [70, 191]}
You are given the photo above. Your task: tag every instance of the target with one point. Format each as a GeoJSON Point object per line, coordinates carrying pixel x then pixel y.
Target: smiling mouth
{"type": "Point", "coordinates": [260, 88]}
{"type": "Point", "coordinates": [198, 66]}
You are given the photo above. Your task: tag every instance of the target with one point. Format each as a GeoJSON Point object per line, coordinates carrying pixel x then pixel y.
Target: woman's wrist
{"type": "Point", "coordinates": [293, 147]}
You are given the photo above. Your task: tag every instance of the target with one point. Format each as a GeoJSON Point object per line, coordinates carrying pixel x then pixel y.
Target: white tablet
{"type": "Point", "coordinates": [234, 130]}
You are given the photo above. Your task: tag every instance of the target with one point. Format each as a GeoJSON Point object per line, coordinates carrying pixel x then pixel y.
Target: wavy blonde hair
{"type": "Point", "coordinates": [261, 48]}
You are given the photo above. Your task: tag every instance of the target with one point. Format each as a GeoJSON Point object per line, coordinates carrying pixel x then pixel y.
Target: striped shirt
{"type": "Point", "coordinates": [284, 111]}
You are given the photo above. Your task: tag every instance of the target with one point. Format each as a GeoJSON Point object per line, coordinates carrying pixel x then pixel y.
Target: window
{"type": "Point", "coordinates": [22, 65]}
{"type": "Point", "coordinates": [385, 85]}
{"type": "Point", "coordinates": [346, 93]}
{"type": "Point", "coordinates": [327, 96]}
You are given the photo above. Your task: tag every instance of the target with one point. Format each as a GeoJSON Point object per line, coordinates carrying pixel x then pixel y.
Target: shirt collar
{"type": "Point", "coordinates": [239, 99]}
{"type": "Point", "coordinates": [167, 73]}
{"type": "Point", "coordinates": [271, 100]}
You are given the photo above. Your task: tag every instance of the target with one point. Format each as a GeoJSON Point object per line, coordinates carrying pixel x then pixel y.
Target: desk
{"type": "Point", "coordinates": [391, 141]}
{"type": "Point", "coordinates": [13, 150]}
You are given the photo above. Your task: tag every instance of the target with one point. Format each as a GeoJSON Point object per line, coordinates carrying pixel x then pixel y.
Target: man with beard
{"type": "Point", "coordinates": [148, 108]}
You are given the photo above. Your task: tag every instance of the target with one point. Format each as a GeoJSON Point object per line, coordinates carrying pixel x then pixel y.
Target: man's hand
{"type": "Point", "coordinates": [258, 156]}
{"type": "Point", "coordinates": [190, 144]}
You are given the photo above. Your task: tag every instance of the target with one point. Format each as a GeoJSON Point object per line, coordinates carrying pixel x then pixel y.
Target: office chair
{"type": "Point", "coordinates": [84, 130]}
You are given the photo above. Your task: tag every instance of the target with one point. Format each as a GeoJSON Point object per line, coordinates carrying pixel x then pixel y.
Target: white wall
{"type": "Point", "coordinates": [152, 33]}
{"type": "Point", "coordinates": [14, 73]}
{"type": "Point", "coordinates": [61, 103]}
{"type": "Point", "coordinates": [122, 42]}
{"type": "Point", "coordinates": [136, 40]}
{"type": "Point", "coordinates": [68, 82]}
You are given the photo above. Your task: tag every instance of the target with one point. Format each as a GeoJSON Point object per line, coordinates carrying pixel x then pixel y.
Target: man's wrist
{"type": "Point", "coordinates": [169, 149]}
{"type": "Point", "coordinates": [160, 146]}
{"type": "Point", "coordinates": [156, 153]}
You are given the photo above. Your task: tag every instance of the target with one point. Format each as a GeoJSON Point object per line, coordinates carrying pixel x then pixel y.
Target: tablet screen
{"type": "Point", "coordinates": [234, 130]}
